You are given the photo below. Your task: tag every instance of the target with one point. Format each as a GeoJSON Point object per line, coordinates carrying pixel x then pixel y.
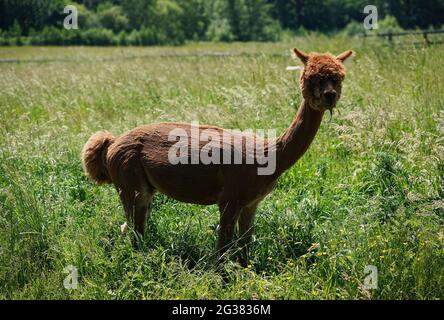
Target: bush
{"type": "Point", "coordinates": [51, 35]}
{"type": "Point", "coordinates": [98, 37]}
{"type": "Point", "coordinates": [19, 41]}
{"type": "Point", "coordinates": [87, 19]}
{"type": "Point", "coordinates": [219, 30]}
{"type": "Point", "coordinates": [302, 32]}
{"type": "Point", "coordinates": [389, 24]}
{"type": "Point", "coordinates": [113, 18]}
{"type": "Point", "coordinates": [122, 38]}
{"type": "Point", "coordinates": [15, 30]}
{"type": "Point", "coordinates": [353, 28]}
{"type": "Point", "coordinates": [133, 38]}
{"type": "Point", "coordinates": [148, 36]}
{"type": "Point", "coordinates": [272, 32]}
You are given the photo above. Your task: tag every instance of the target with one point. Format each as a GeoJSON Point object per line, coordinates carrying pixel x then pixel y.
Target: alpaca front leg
{"type": "Point", "coordinates": [229, 216]}
{"type": "Point", "coordinates": [246, 229]}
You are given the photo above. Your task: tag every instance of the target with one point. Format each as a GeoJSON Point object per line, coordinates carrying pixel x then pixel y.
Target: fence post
{"type": "Point", "coordinates": [390, 37]}
{"type": "Point", "coordinates": [424, 34]}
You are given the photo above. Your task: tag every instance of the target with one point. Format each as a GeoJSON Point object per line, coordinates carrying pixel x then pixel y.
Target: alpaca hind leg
{"type": "Point", "coordinates": [142, 210]}
{"type": "Point", "coordinates": [136, 195]}
{"type": "Point", "coordinates": [136, 205]}
{"type": "Point", "coordinates": [124, 228]}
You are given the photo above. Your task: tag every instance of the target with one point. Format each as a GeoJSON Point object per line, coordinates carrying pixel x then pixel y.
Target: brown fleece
{"type": "Point", "coordinates": [137, 162]}
{"type": "Point", "coordinates": [94, 154]}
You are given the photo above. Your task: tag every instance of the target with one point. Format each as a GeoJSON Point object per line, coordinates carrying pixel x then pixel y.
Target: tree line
{"type": "Point", "coordinates": [149, 22]}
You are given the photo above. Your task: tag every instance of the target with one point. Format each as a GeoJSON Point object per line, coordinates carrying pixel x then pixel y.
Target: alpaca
{"type": "Point", "coordinates": [137, 163]}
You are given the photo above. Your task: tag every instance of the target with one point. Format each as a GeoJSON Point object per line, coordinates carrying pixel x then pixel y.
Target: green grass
{"type": "Point", "coordinates": [370, 190]}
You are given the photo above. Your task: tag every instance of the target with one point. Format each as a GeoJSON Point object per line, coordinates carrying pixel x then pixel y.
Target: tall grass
{"type": "Point", "coordinates": [370, 191]}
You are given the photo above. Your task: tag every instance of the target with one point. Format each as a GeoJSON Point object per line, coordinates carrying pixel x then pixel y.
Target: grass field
{"type": "Point", "coordinates": [370, 190]}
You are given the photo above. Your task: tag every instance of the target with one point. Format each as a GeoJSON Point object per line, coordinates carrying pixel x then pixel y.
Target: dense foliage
{"type": "Point", "coordinates": [145, 22]}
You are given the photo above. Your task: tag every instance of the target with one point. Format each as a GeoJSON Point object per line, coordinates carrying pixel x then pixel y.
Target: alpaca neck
{"type": "Point", "coordinates": [294, 142]}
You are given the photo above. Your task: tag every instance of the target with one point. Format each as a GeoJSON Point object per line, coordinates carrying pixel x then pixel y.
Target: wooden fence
{"type": "Point", "coordinates": [390, 35]}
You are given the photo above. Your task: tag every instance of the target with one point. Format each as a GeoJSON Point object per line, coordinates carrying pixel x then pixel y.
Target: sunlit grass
{"type": "Point", "coordinates": [368, 192]}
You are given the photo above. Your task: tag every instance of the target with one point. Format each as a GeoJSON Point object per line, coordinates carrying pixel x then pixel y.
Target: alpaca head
{"type": "Point", "coordinates": [321, 78]}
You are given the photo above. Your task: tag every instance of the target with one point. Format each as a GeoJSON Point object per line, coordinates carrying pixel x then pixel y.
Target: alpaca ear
{"type": "Point", "coordinates": [344, 56]}
{"type": "Point", "coordinates": [301, 55]}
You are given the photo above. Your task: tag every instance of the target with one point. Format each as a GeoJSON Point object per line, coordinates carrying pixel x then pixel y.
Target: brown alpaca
{"type": "Point", "coordinates": [137, 162]}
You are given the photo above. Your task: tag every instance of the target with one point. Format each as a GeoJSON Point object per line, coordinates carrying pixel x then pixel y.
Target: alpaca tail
{"type": "Point", "coordinates": [94, 156]}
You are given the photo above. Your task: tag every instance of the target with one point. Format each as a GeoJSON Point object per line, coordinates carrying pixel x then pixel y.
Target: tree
{"type": "Point", "coordinates": [31, 13]}
{"type": "Point", "coordinates": [112, 17]}
{"type": "Point", "coordinates": [194, 19]}
{"type": "Point", "coordinates": [175, 21]}
{"type": "Point", "coordinates": [248, 19]}
{"type": "Point", "coordinates": [139, 12]}
{"type": "Point", "coordinates": [167, 21]}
